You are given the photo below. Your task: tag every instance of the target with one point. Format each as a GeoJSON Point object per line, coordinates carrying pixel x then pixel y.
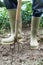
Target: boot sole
{"type": "Point", "coordinates": [34, 47]}
{"type": "Point", "coordinates": [7, 43]}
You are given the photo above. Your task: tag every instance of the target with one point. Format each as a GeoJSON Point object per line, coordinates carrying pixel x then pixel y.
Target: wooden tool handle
{"type": "Point", "coordinates": [17, 18]}
{"type": "Point", "coordinates": [18, 10]}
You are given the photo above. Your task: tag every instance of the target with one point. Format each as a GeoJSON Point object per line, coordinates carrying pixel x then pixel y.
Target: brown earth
{"type": "Point", "coordinates": [22, 54]}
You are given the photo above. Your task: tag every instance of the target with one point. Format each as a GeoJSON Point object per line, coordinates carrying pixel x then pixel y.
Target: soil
{"type": "Point", "coordinates": [21, 53]}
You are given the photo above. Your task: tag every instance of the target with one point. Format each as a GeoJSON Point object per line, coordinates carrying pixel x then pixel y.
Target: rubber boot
{"type": "Point", "coordinates": [12, 16]}
{"type": "Point", "coordinates": [34, 30]}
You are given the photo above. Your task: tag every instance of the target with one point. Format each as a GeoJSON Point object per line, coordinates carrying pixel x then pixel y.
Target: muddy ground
{"type": "Point", "coordinates": [12, 55]}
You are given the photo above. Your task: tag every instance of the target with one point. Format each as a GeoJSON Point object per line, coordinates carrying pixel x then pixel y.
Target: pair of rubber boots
{"type": "Point", "coordinates": [34, 29]}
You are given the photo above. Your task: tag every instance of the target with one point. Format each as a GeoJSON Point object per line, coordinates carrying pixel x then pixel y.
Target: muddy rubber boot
{"type": "Point", "coordinates": [12, 16]}
{"type": "Point", "coordinates": [34, 30]}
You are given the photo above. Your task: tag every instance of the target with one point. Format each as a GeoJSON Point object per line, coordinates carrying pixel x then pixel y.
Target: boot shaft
{"type": "Point", "coordinates": [35, 26]}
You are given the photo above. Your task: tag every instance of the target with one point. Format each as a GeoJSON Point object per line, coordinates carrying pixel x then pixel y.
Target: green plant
{"type": "Point", "coordinates": [1, 4]}
{"type": "Point", "coordinates": [26, 12]}
{"type": "Point", "coordinates": [41, 22]}
{"type": "Point", "coordinates": [4, 19]}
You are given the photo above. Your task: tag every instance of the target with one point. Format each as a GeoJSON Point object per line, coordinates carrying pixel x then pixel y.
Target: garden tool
{"type": "Point", "coordinates": [17, 19]}
{"type": "Point", "coordinates": [34, 30]}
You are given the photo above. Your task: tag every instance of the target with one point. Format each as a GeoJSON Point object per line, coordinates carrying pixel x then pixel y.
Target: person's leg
{"type": "Point", "coordinates": [12, 15]}
{"type": "Point", "coordinates": [34, 27]}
